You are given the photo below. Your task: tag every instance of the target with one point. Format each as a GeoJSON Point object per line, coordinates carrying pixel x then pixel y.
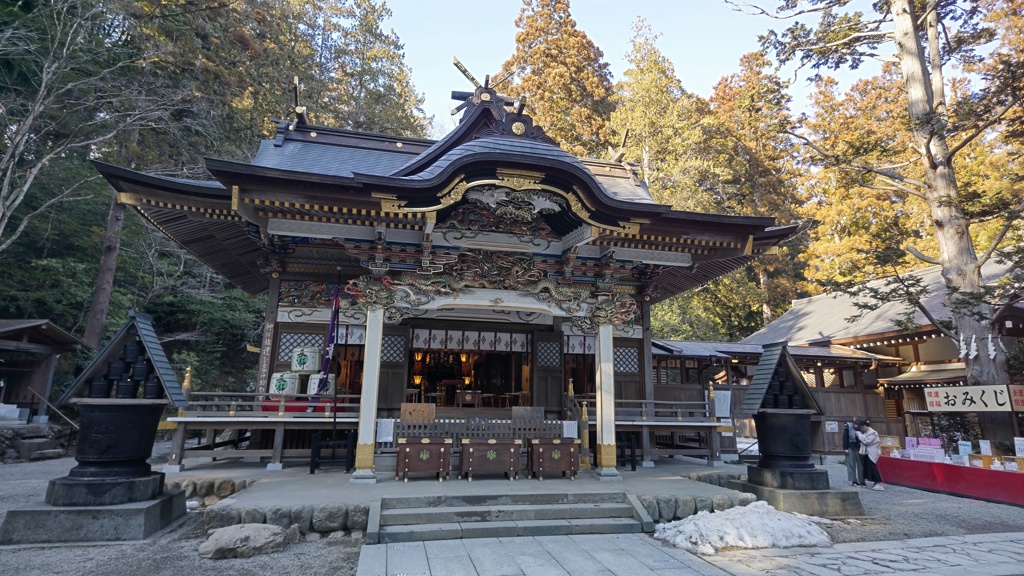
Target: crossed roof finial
{"type": "Point", "coordinates": [488, 87]}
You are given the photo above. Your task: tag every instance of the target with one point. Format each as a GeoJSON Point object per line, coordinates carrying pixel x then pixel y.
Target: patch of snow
{"type": "Point", "coordinates": [757, 525]}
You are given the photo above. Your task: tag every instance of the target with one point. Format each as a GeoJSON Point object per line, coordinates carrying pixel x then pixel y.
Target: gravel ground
{"type": "Point", "coordinates": [899, 513]}
{"type": "Point", "coordinates": [895, 514]}
{"type": "Point", "coordinates": [175, 552]}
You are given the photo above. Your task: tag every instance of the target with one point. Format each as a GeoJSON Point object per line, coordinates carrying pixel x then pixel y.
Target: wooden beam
{"type": "Point", "coordinates": [27, 347]}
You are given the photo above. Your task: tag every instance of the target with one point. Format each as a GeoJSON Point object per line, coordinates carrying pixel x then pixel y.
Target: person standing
{"type": "Point", "coordinates": [870, 450]}
{"type": "Point", "coordinates": [854, 468]}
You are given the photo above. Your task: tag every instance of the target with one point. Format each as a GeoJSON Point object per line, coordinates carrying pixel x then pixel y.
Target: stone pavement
{"type": "Point", "coordinates": [641, 555]}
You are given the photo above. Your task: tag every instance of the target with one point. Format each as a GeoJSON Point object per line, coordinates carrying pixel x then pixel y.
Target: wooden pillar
{"type": "Point", "coordinates": [368, 399]}
{"type": "Point", "coordinates": [606, 404]}
{"type": "Point", "coordinates": [647, 357]}
{"type": "Point", "coordinates": [42, 381]}
{"type": "Point", "coordinates": [267, 345]}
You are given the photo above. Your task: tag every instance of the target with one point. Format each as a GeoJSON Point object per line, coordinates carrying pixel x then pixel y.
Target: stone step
{"type": "Point", "coordinates": [391, 503]}
{"type": "Point", "coordinates": [49, 454]}
{"type": "Point", "coordinates": [456, 530]}
{"type": "Point", "coordinates": [500, 513]}
{"type": "Point", "coordinates": [28, 447]}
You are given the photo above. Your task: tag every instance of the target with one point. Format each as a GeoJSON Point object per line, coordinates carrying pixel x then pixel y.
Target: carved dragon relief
{"type": "Point", "coordinates": [499, 209]}
{"type": "Point", "coordinates": [620, 310]}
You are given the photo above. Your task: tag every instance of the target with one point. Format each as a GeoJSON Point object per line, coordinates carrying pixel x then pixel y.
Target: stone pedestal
{"type": "Point", "coordinates": [68, 491]}
{"type": "Point", "coordinates": [788, 479]}
{"type": "Point", "coordinates": [824, 503]}
{"type": "Point", "coordinates": [113, 493]}
{"type": "Point", "coordinates": [40, 523]}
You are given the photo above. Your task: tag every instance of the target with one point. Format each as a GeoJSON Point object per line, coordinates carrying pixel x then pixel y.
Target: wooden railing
{"type": "Point", "coordinates": [219, 404]}
{"type": "Point", "coordinates": [647, 410]}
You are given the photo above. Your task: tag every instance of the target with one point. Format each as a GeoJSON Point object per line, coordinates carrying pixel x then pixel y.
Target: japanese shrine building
{"type": "Point", "coordinates": [491, 259]}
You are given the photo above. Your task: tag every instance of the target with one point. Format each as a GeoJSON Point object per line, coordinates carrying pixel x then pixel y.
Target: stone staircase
{"type": "Point", "coordinates": [420, 518]}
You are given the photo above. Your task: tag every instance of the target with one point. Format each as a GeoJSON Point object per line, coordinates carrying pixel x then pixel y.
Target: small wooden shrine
{"type": "Point", "coordinates": [490, 261]}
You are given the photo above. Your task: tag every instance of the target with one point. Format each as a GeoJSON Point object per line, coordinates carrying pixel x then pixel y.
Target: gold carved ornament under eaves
{"type": "Point", "coordinates": [513, 180]}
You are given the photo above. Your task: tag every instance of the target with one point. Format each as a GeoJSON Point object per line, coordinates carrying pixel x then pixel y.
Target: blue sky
{"type": "Point", "coordinates": [703, 38]}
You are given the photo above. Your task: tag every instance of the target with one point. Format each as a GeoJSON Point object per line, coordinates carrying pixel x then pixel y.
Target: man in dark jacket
{"type": "Point", "coordinates": [854, 468]}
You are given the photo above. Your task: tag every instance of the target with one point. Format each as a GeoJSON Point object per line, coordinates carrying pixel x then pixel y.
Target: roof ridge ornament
{"type": "Point", "coordinates": [485, 92]}
{"type": "Point", "coordinates": [300, 111]}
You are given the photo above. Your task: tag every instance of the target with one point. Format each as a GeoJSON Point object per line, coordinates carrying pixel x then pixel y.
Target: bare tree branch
{"type": "Point", "coordinates": [1012, 300]}
{"type": "Point", "coordinates": [753, 10]}
{"type": "Point", "coordinates": [848, 40]}
{"type": "Point", "coordinates": [1011, 218]}
{"type": "Point", "coordinates": [921, 256]}
{"type": "Point", "coordinates": [909, 185]}
{"type": "Point", "coordinates": [988, 123]}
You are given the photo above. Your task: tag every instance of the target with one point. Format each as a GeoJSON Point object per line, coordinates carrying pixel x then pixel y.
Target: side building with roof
{"type": "Point", "coordinates": [894, 392]}
{"type": "Point", "coordinates": [840, 380]}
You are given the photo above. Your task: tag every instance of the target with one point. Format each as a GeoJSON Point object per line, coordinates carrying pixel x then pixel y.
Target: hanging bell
{"type": "Point", "coordinates": [115, 370]}
{"type": "Point", "coordinates": [131, 351]}
{"type": "Point", "coordinates": [141, 370]}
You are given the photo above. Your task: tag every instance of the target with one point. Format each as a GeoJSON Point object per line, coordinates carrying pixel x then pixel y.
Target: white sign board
{"type": "Point", "coordinates": [985, 446]}
{"type": "Point", "coordinates": [831, 426]}
{"type": "Point", "coordinates": [1018, 446]}
{"type": "Point", "coordinates": [723, 408]}
{"type": "Point", "coordinates": [968, 399]}
{"type": "Point", "coordinates": [963, 447]}
{"type": "Point", "coordinates": [723, 403]}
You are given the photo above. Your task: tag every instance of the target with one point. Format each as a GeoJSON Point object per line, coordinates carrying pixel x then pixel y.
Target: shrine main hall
{"type": "Point", "coordinates": [489, 269]}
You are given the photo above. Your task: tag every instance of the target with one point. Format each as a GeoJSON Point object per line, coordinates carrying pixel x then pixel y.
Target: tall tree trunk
{"type": "Point", "coordinates": [957, 257]}
{"type": "Point", "coordinates": [105, 278]}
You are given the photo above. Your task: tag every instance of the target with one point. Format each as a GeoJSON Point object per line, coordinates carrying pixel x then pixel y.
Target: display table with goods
{"type": "Point", "coordinates": [1004, 486]}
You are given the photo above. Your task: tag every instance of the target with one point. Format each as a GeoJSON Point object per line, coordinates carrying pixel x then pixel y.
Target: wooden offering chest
{"type": "Point", "coordinates": [424, 454]}
{"type": "Point", "coordinates": [553, 455]}
{"type": "Point", "coordinates": [491, 456]}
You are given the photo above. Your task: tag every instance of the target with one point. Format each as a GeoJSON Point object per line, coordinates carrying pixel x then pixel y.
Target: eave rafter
{"type": "Point", "coordinates": [197, 208]}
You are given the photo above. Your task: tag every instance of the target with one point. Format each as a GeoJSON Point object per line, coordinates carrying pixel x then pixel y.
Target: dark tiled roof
{"type": "Point", "coordinates": [330, 160]}
{"type": "Point", "coordinates": [823, 318]}
{"type": "Point", "coordinates": [40, 330]}
{"type": "Point", "coordinates": [726, 350]}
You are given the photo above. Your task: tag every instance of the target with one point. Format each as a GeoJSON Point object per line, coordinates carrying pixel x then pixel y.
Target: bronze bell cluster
{"type": "Point", "coordinates": [127, 373]}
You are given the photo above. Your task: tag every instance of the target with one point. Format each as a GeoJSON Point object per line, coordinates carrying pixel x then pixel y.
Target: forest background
{"type": "Point", "coordinates": [158, 85]}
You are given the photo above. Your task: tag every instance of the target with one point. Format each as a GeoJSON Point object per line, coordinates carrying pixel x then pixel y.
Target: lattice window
{"type": "Point", "coordinates": [830, 379]}
{"type": "Point", "coordinates": [292, 340]}
{"type": "Point", "coordinates": [627, 359]}
{"type": "Point", "coordinates": [392, 349]}
{"type": "Point", "coordinates": [549, 354]}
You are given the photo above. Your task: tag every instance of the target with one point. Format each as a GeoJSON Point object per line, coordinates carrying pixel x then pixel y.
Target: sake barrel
{"type": "Point", "coordinates": [314, 383]}
{"type": "Point", "coordinates": [283, 384]}
{"type": "Point", "coordinates": [305, 359]}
